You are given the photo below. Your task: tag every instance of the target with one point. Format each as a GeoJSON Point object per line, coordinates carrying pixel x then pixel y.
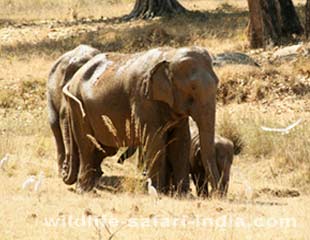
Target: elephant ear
{"type": "Point", "coordinates": [158, 84]}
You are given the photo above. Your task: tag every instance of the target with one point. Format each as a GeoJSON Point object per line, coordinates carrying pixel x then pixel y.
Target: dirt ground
{"type": "Point", "coordinates": [269, 189]}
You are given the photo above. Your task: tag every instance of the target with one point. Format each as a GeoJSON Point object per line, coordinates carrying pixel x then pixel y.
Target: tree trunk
{"type": "Point", "coordinates": [256, 24]}
{"type": "Point", "coordinates": [152, 8]}
{"type": "Point", "coordinates": [271, 21]}
{"type": "Point", "coordinates": [290, 21]}
{"type": "Point", "coordinates": [307, 25]}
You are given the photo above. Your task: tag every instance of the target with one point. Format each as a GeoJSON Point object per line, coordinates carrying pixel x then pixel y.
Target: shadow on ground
{"type": "Point", "coordinates": [117, 184]}
{"type": "Point", "coordinates": [119, 36]}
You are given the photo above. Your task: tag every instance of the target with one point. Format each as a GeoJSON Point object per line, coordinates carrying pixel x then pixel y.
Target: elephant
{"type": "Point", "coordinates": [61, 72]}
{"type": "Point", "coordinates": [224, 153]}
{"type": "Point", "coordinates": [156, 90]}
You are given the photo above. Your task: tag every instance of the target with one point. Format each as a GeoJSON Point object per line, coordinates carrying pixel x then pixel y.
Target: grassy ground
{"type": "Point", "coordinates": [269, 194]}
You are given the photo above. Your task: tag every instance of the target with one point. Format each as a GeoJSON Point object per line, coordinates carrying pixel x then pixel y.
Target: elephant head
{"type": "Point", "coordinates": [185, 80]}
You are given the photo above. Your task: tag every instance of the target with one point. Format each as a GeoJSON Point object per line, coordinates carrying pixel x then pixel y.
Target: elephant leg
{"type": "Point", "coordinates": [59, 145]}
{"type": "Point", "coordinates": [158, 174]}
{"type": "Point", "coordinates": [201, 185]}
{"type": "Point", "coordinates": [178, 155]}
{"type": "Point", "coordinates": [224, 166]}
{"type": "Point", "coordinates": [90, 170]}
{"type": "Point", "coordinates": [56, 129]}
{"type": "Point", "coordinates": [89, 157]}
{"type": "Point", "coordinates": [155, 162]}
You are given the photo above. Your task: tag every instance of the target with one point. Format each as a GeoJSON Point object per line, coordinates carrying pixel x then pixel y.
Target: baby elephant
{"type": "Point", "coordinates": [224, 150]}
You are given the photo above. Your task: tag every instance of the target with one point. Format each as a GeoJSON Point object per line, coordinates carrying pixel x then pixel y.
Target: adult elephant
{"type": "Point", "coordinates": [61, 72]}
{"type": "Point", "coordinates": [157, 88]}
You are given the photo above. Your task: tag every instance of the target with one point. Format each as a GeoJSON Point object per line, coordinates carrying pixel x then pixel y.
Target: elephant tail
{"type": "Point", "coordinates": [68, 94]}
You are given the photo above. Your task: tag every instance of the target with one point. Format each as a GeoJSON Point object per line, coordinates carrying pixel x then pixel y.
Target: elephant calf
{"type": "Point", "coordinates": [224, 151]}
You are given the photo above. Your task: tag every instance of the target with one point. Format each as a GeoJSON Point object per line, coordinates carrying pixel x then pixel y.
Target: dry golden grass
{"type": "Point", "coordinates": [286, 154]}
{"type": "Point", "coordinates": [24, 213]}
{"type": "Point", "coordinates": [69, 9]}
{"type": "Point", "coordinates": [28, 221]}
{"type": "Point", "coordinates": [223, 21]}
{"type": "Point", "coordinates": [62, 9]}
{"type": "Point", "coordinates": [275, 167]}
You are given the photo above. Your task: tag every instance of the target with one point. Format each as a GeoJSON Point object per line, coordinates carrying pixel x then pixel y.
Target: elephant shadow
{"type": "Point", "coordinates": [118, 184]}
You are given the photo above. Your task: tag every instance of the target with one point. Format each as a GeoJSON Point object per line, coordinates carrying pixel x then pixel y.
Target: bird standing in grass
{"type": "Point", "coordinates": [151, 190]}
{"type": "Point", "coordinates": [29, 181]}
{"type": "Point", "coordinates": [38, 183]}
{"type": "Point", "coordinates": [4, 161]}
{"type": "Point", "coordinates": [33, 180]}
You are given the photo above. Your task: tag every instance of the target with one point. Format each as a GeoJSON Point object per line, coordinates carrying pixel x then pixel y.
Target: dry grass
{"type": "Point", "coordinates": [275, 166]}
{"type": "Point", "coordinates": [272, 81]}
{"type": "Point", "coordinates": [17, 10]}
{"type": "Point", "coordinates": [67, 9]}
{"type": "Point", "coordinates": [31, 212]}
{"type": "Point", "coordinates": [223, 21]}
{"type": "Point", "coordinates": [25, 213]}
{"type": "Point", "coordinates": [287, 151]}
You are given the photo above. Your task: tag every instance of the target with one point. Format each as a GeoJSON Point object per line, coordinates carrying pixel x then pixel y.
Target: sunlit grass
{"type": "Point", "coordinates": [248, 99]}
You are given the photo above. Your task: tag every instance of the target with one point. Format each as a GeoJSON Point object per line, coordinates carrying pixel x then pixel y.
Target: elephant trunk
{"type": "Point", "coordinates": [205, 120]}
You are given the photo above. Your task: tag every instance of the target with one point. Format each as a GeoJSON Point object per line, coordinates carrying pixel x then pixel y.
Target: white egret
{"type": "Point", "coordinates": [282, 130]}
{"type": "Point", "coordinates": [35, 181]}
{"type": "Point", "coordinates": [29, 181]}
{"type": "Point", "coordinates": [4, 161]}
{"type": "Point", "coordinates": [38, 183]}
{"type": "Point", "coordinates": [151, 190]}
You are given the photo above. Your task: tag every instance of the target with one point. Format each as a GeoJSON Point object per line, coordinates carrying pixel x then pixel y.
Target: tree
{"type": "Point", "coordinates": [290, 20]}
{"type": "Point", "coordinates": [272, 21]}
{"type": "Point", "coordinates": [152, 8]}
{"type": "Point", "coordinates": [307, 25]}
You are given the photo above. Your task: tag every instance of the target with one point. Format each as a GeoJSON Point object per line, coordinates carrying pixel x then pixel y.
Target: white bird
{"type": "Point", "coordinates": [4, 161]}
{"type": "Point", "coordinates": [29, 181]}
{"type": "Point", "coordinates": [151, 190]}
{"type": "Point", "coordinates": [33, 180]}
{"type": "Point", "coordinates": [248, 190]}
{"type": "Point", "coordinates": [39, 182]}
{"type": "Point", "coordinates": [282, 130]}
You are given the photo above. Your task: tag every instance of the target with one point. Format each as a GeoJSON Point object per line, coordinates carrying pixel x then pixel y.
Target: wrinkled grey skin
{"type": "Point", "coordinates": [61, 72]}
{"type": "Point", "coordinates": [224, 153]}
{"type": "Point", "coordinates": [153, 89]}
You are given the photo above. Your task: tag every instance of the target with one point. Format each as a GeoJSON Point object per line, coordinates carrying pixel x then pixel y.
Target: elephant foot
{"type": "Point", "coordinates": [203, 194]}
{"type": "Point", "coordinates": [216, 193]}
{"type": "Point", "coordinates": [88, 181]}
